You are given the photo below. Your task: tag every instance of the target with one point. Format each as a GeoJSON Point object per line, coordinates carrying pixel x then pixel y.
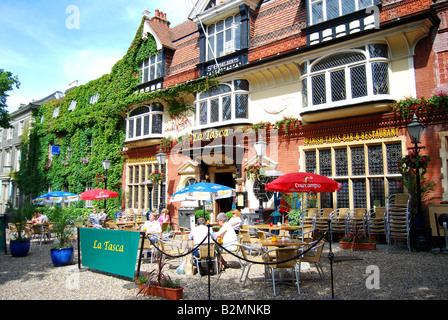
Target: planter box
{"type": "Point", "coordinates": [357, 246]}
{"type": "Point", "coordinates": [169, 293]}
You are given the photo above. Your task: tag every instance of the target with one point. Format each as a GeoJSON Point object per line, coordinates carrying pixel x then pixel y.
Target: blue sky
{"type": "Point", "coordinates": [42, 43]}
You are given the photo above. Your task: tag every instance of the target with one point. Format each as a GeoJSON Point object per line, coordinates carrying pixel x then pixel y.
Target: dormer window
{"type": "Point", "coordinates": [324, 10]}
{"type": "Point", "coordinates": [145, 121]}
{"type": "Point", "coordinates": [223, 37]}
{"type": "Point", "coordinates": [152, 67]}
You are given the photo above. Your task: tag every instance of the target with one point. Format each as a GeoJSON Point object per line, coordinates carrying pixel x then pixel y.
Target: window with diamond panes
{"type": "Point", "coordinates": [325, 162]}
{"type": "Point", "coordinates": [359, 193]}
{"type": "Point", "coordinates": [375, 159]}
{"type": "Point", "coordinates": [343, 200]}
{"type": "Point", "coordinates": [223, 103]}
{"type": "Point", "coordinates": [394, 156]}
{"type": "Point", "coordinates": [341, 162]}
{"type": "Point", "coordinates": [358, 165]}
{"type": "Point", "coordinates": [342, 77]}
{"type": "Point", "coordinates": [310, 161]}
{"type": "Point", "coordinates": [368, 183]}
{"type": "Point", "coordinates": [377, 198]}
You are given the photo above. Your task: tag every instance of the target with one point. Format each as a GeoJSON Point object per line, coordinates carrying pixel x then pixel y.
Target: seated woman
{"type": "Point", "coordinates": [228, 235]}
{"type": "Point", "coordinates": [235, 221]}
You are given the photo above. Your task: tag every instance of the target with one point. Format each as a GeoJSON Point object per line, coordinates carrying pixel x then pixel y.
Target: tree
{"type": "Point", "coordinates": [7, 83]}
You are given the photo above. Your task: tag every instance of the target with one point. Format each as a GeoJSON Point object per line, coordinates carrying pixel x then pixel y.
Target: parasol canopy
{"type": "Point", "coordinates": [203, 191]}
{"type": "Point", "coordinates": [56, 197]}
{"type": "Point", "coordinates": [96, 194]}
{"type": "Point", "coordinates": [303, 182]}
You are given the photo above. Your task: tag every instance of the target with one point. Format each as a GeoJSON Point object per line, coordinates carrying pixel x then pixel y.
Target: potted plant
{"type": "Point", "coordinates": [62, 253]}
{"type": "Point", "coordinates": [159, 284]}
{"type": "Point", "coordinates": [19, 245]}
{"type": "Point", "coordinates": [357, 241]}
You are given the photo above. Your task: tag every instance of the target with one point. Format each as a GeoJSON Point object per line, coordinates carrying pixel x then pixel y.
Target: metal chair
{"type": "Point", "coordinates": [312, 256]}
{"type": "Point", "coordinates": [398, 218]}
{"type": "Point", "coordinates": [376, 218]}
{"type": "Point", "coordinates": [283, 261]}
{"type": "Point", "coordinates": [207, 253]}
{"type": "Point", "coordinates": [248, 262]}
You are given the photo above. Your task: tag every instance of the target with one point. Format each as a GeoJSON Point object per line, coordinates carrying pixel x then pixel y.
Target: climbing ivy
{"type": "Point", "coordinates": [89, 132]}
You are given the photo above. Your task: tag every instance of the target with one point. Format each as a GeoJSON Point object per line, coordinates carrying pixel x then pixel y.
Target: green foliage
{"type": "Point", "coordinates": [201, 213]}
{"type": "Point", "coordinates": [7, 83]}
{"type": "Point", "coordinates": [61, 219]}
{"type": "Point", "coordinates": [437, 104]}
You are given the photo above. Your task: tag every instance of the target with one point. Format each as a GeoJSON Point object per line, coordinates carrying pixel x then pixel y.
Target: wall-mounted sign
{"type": "Point", "coordinates": [223, 66]}
{"type": "Point", "coordinates": [348, 137]}
{"type": "Point", "coordinates": [55, 150]}
{"type": "Point", "coordinates": [211, 134]}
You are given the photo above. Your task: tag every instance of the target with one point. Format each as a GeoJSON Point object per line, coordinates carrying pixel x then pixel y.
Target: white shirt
{"type": "Point", "coordinates": [151, 226]}
{"type": "Point", "coordinates": [235, 222]}
{"type": "Point", "coordinates": [229, 238]}
{"type": "Point", "coordinates": [199, 233]}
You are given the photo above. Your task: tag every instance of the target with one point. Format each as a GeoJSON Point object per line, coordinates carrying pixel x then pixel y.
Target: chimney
{"type": "Point", "coordinates": [160, 18]}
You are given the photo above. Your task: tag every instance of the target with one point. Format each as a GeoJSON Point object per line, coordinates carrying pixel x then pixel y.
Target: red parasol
{"type": "Point", "coordinates": [303, 182]}
{"type": "Point", "coordinates": [96, 194]}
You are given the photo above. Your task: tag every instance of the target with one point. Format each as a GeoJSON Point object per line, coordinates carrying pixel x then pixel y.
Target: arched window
{"type": "Point", "coordinates": [145, 121]}
{"type": "Point", "coordinates": [356, 75]}
{"type": "Point", "coordinates": [225, 102]}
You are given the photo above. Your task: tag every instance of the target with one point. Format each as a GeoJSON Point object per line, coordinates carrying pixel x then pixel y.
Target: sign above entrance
{"type": "Point", "coordinates": [211, 134]}
{"type": "Point", "coordinates": [348, 137]}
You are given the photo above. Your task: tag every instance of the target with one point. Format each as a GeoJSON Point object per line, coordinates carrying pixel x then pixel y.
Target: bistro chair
{"type": "Point", "coordinates": [356, 220]}
{"type": "Point", "coordinates": [321, 221]}
{"type": "Point", "coordinates": [207, 253]}
{"type": "Point", "coordinates": [339, 220]}
{"type": "Point", "coordinates": [376, 221]}
{"type": "Point", "coordinates": [285, 261]}
{"type": "Point", "coordinates": [247, 262]}
{"type": "Point", "coordinates": [398, 218]}
{"type": "Point", "coordinates": [313, 256]}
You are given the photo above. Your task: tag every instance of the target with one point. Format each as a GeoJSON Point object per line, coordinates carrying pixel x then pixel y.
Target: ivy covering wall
{"type": "Point", "coordinates": [89, 133]}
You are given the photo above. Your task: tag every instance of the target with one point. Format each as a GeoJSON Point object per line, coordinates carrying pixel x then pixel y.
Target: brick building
{"type": "Point", "coordinates": [314, 79]}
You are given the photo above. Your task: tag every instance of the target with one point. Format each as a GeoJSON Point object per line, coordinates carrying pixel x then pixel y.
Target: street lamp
{"type": "Point", "coordinates": [415, 130]}
{"type": "Point", "coordinates": [106, 166]}
{"type": "Point", "coordinates": [161, 158]}
{"type": "Point", "coordinates": [260, 148]}
{"type": "Point", "coordinates": [150, 186]}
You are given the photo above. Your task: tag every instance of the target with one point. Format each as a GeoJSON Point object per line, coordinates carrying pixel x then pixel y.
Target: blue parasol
{"type": "Point", "coordinates": [56, 197]}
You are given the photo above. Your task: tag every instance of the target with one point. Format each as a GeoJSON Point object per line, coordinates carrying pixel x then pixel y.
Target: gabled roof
{"type": "Point", "coordinates": [207, 10]}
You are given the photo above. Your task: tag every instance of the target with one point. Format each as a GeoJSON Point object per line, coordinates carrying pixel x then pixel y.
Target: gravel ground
{"type": "Point", "coordinates": [402, 276]}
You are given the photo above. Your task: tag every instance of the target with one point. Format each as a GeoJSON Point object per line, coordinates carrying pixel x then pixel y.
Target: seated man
{"type": "Point", "coordinates": [198, 234]}
{"type": "Point", "coordinates": [152, 226]}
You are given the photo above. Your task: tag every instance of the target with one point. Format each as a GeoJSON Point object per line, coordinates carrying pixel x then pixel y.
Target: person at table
{"type": "Point", "coordinates": [198, 234]}
{"type": "Point", "coordinates": [103, 217]}
{"type": "Point", "coordinates": [164, 216]}
{"type": "Point", "coordinates": [228, 235]}
{"type": "Point", "coordinates": [151, 226]}
{"type": "Point", "coordinates": [94, 219]}
{"type": "Point", "coordinates": [35, 218]}
{"type": "Point", "coordinates": [42, 218]}
{"type": "Point", "coordinates": [235, 221]}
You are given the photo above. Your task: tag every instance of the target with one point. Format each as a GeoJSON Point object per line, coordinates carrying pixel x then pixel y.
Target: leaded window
{"type": "Point", "coordinates": [361, 169]}
{"type": "Point", "coordinates": [357, 75]}
{"type": "Point", "coordinates": [224, 102]}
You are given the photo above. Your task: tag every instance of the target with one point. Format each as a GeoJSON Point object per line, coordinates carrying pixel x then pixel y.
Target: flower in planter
{"type": "Point", "coordinates": [256, 171]}
{"type": "Point", "coordinates": [156, 177]}
{"type": "Point", "coordinates": [357, 237]}
{"type": "Point", "coordinates": [414, 162]}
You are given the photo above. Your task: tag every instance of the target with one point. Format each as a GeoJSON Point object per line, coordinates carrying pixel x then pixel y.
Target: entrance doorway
{"type": "Point", "coordinates": [225, 179]}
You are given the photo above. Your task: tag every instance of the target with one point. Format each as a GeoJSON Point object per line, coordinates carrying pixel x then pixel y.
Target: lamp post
{"type": "Point", "coordinates": [106, 166]}
{"type": "Point", "coordinates": [150, 186]}
{"type": "Point", "coordinates": [260, 148]}
{"type": "Point", "coordinates": [415, 130]}
{"type": "Point", "coordinates": [161, 158]}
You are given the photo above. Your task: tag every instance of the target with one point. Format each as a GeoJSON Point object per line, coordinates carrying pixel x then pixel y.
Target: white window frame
{"type": "Point", "coordinates": [341, 5]}
{"type": "Point", "coordinates": [153, 63]}
{"type": "Point", "coordinates": [141, 118]}
{"type": "Point", "coordinates": [231, 34]}
{"type": "Point", "coordinates": [94, 98]}
{"type": "Point", "coordinates": [368, 62]}
{"type": "Point", "coordinates": [232, 94]}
